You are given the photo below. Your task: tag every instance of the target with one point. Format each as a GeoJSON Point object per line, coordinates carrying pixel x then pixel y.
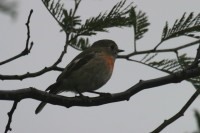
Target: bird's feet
{"type": "Point", "coordinates": [103, 94]}
{"type": "Point", "coordinates": [80, 95]}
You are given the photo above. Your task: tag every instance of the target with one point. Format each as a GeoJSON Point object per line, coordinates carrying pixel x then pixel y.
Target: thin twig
{"type": "Point", "coordinates": [30, 75]}
{"type": "Point", "coordinates": [158, 45]}
{"type": "Point", "coordinates": [135, 46]}
{"type": "Point", "coordinates": [160, 50]}
{"type": "Point", "coordinates": [143, 63]}
{"type": "Point", "coordinates": [27, 48]}
{"type": "Point", "coordinates": [177, 115]}
{"type": "Point", "coordinates": [63, 52]}
{"type": "Point", "coordinates": [10, 115]}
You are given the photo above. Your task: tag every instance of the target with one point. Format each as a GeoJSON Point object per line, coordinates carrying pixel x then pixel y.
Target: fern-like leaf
{"type": "Point", "coordinates": [66, 19]}
{"type": "Point", "coordinates": [197, 116]}
{"type": "Point", "coordinates": [79, 43]}
{"type": "Point", "coordinates": [140, 25]}
{"type": "Point", "coordinates": [55, 9]}
{"type": "Point", "coordinates": [116, 17]}
{"type": "Point", "coordinates": [69, 22]}
{"type": "Point", "coordinates": [184, 26]}
{"type": "Point", "coordinates": [168, 65]}
{"type": "Point", "coordinates": [171, 66]}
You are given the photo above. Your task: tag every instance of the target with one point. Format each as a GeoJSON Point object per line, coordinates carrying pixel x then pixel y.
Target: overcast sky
{"type": "Point", "coordinates": [143, 113]}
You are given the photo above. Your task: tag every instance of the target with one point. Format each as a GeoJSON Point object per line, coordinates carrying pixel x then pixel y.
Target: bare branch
{"type": "Point", "coordinates": [179, 114]}
{"type": "Point", "coordinates": [63, 52]}
{"type": "Point", "coordinates": [159, 51]}
{"type": "Point", "coordinates": [30, 75]}
{"type": "Point", "coordinates": [27, 49]}
{"type": "Point", "coordinates": [10, 114]}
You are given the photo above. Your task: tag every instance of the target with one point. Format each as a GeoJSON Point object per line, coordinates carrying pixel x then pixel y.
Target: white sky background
{"type": "Point", "coordinates": [145, 110]}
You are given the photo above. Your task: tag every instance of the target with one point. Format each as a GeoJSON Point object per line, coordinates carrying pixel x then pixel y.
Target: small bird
{"type": "Point", "coordinates": [88, 71]}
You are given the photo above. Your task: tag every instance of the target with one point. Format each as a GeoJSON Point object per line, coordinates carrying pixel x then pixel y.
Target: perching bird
{"type": "Point", "coordinates": [88, 71]}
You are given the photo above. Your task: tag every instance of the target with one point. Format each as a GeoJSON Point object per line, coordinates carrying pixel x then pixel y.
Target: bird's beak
{"type": "Point", "coordinates": [119, 50]}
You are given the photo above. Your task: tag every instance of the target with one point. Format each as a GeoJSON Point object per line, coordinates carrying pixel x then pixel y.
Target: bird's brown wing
{"type": "Point", "coordinates": [79, 61]}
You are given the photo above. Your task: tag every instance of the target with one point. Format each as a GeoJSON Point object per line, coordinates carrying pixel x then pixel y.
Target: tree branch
{"type": "Point", "coordinates": [30, 75]}
{"type": "Point", "coordinates": [27, 49]}
{"type": "Point", "coordinates": [159, 51]}
{"type": "Point", "coordinates": [179, 114]}
{"type": "Point", "coordinates": [40, 72]}
{"type": "Point", "coordinates": [63, 52]}
{"type": "Point", "coordinates": [100, 100]}
{"type": "Point", "coordinates": [10, 114]}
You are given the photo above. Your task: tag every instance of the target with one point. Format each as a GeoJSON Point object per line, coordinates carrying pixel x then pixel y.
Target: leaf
{"type": "Point", "coordinates": [133, 17]}
{"type": "Point", "coordinates": [165, 30]}
{"type": "Point", "coordinates": [169, 65]}
{"type": "Point", "coordinates": [69, 21]}
{"type": "Point", "coordinates": [116, 17]}
{"type": "Point", "coordinates": [183, 26]}
{"type": "Point", "coordinates": [79, 43]}
{"type": "Point", "coordinates": [140, 23]}
{"type": "Point", "coordinates": [197, 116]}
{"type": "Point", "coordinates": [66, 19]}
{"type": "Point", "coordinates": [56, 9]}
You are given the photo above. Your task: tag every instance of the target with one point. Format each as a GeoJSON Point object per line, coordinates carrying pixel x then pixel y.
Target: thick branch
{"type": "Point", "coordinates": [100, 100]}
{"type": "Point", "coordinates": [177, 115]}
{"type": "Point", "coordinates": [27, 49]}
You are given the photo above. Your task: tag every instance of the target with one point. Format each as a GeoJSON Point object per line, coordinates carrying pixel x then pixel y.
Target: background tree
{"type": "Point", "coordinates": [78, 35]}
{"type": "Point", "coordinates": [8, 7]}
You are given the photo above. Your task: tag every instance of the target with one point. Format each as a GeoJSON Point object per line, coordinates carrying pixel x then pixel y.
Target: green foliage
{"type": "Point", "coordinates": [197, 116]}
{"type": "Point", "coordinates": [119, 16]}
{"type": "Point", "coordinates": [166, 65]}
{"type": "Point", "coordinates": [172, 66]}
{"type": "Point", "coordinates": [79, 43]}
{"type": "Point", "coordinates": [183, 26]}
{"type": "Point", "coordinates": [140, 23]}
{"type": "Point", "coordinates": [70, 21]}
{"type": "Point", "coordinates": [55, 8]}
{"type": "Point", "coordinates": [115, 18]}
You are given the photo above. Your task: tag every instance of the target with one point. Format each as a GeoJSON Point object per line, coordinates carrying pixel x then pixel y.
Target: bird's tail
{"type": "Point", "coordinates": [53, 89]}
{"type": "Point", "coordinates": [40, 107]}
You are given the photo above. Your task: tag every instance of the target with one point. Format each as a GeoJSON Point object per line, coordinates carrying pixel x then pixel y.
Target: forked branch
{"type": "Point", "coordinates": [28, 46]}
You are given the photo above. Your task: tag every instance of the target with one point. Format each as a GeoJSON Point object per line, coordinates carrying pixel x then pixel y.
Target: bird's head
{"type": "Point", "coordinates": [109, 45]}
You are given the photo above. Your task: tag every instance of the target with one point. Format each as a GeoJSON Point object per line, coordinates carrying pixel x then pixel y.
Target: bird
{"type": "Point", "coordinates": [88, 71]}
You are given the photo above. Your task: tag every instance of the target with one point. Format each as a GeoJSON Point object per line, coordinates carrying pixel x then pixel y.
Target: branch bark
{"type": "Point", "coordinates": [100, 100]}
{"type": "Point", "coordinates": [159, 50]}
{"type": "Point", "coordinates": [10, 115]}
{"type": "Point", "coordinates": [27, 48]}
{"type": "Point", "coordinates": [30, 75]}
{"type": "Point", "coordinates": [177, 115]}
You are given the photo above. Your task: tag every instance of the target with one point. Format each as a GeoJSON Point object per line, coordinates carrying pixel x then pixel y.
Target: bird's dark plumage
{"type": "Point", "coordinates": [88, 71]}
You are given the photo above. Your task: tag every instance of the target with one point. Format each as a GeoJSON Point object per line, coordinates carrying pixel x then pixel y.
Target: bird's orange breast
{"type": "Point", "coordinates": [110, 62]}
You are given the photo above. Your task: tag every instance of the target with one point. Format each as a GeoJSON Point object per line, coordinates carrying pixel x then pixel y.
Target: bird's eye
{"type": "Point", "coordinates": [112, 47]}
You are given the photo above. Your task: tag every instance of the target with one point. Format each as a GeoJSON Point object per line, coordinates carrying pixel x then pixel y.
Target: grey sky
{"type": "Point", "coordinates": [143, 113]}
